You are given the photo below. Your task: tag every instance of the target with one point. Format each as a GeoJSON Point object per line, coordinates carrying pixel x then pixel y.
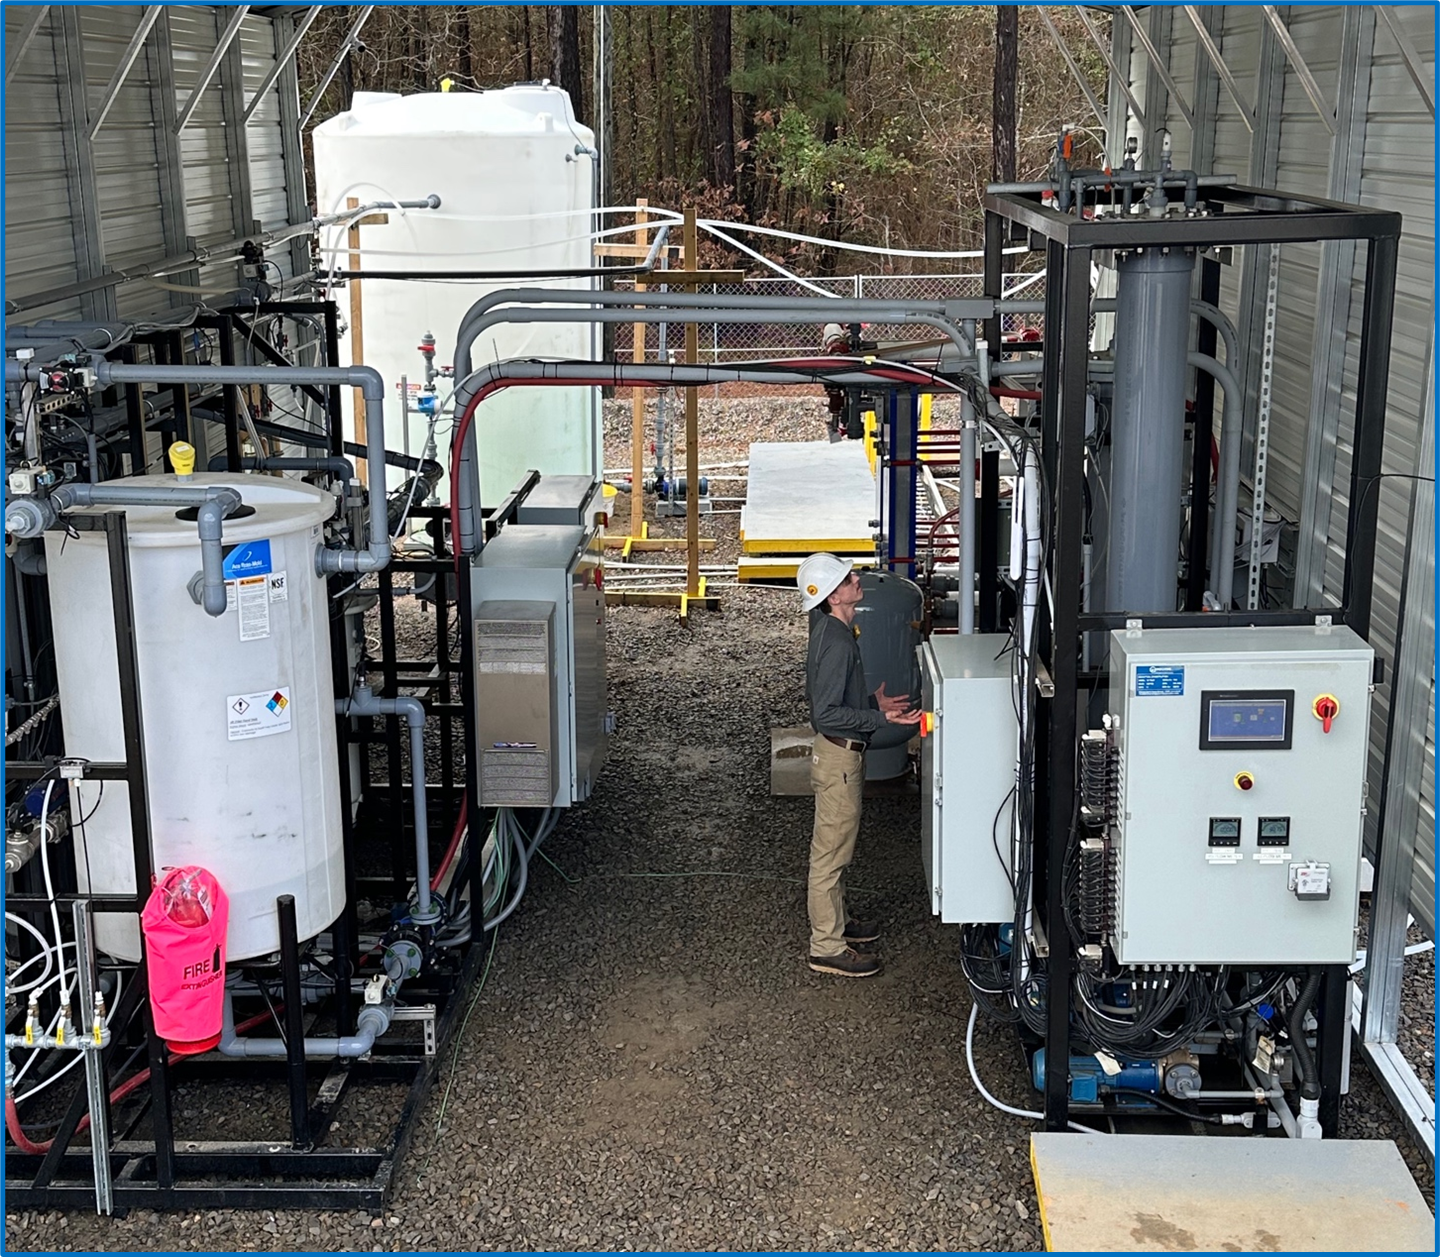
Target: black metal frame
{"type": "Point", "coordinates": [158, 1171]}
{"type": "Point", "coordinates": [1235, 215]}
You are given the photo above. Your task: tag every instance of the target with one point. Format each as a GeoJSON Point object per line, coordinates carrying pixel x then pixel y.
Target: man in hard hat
{"type": "Point", "coordinates": [844, 713]}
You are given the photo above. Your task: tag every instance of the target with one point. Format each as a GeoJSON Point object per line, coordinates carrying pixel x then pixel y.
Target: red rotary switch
{"type": "Point", "coordinates": [1326, 708]}
{"type": "Point", "coordinates": [927, 723]}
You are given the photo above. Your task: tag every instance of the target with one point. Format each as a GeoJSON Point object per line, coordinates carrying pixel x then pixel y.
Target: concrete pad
{"type": "Point", "coordinates": [1194, 1193]}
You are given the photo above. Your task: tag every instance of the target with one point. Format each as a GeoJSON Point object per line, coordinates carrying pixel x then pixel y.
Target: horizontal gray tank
{"type": "Point", "coordinates": [888, 618]}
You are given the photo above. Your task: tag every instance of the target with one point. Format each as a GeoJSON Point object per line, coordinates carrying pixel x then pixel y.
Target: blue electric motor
{"type": "Point", "coordinates": [1088, 1081]}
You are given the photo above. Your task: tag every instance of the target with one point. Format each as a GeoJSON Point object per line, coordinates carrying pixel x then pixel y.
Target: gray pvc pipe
{"type": "Point", "coordinates": [708, 313]}
{"type": "Point", "coordinates": [30, 516]}
{"type": "Point", "coordinates": [370, 1023]}
{"type": "Point", "coordinates": [364, 703]}
{"type": "Point", "coordinates": [867, 309]}
{"type": "Point", "coordinates": [366, 379]}
{"type": "Point", "coordinates": [619, 374]}
{"type": "Point", "coordinates": [1227, 488]}
{"type": "Point", "coordinates": [1147, 434]}
{"type": "Point", "coordinates": [341, 468]}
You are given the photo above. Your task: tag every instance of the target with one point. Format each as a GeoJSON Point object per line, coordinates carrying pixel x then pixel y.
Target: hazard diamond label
{"type": "Point", "coordinates": [257, 715]}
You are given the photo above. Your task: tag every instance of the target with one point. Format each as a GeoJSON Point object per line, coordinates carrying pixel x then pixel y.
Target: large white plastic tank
{"type": "Point", "coordinates": [502, 156]}
{"type": "Point", "coordinates": [246, 789]}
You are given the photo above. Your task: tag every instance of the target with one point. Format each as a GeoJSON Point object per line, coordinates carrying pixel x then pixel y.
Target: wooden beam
{"type": "Point", "coordinates": [637, 397]}
{"type": "Point", "coordinates": [692, 424]}
{"type": "Point", "coordinates": [633, 251]}
{"type": "Point", "coordinates": [642, 543]}
{"type": "Point", "coordinates": [691, 278]}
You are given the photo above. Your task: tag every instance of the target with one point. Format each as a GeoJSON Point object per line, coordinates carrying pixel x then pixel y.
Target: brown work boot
{"type": "Point", "coordinates": [858, 931]}
{"type": "Point", "coordinates": [848, 964]}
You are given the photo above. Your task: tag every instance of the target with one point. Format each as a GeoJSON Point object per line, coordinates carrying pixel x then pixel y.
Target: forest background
{"type": "Point", "coordinates": [878, 124]}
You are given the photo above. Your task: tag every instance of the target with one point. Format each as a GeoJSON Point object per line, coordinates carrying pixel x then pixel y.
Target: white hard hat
{"type": "Point", "coordinates": [818, 577]}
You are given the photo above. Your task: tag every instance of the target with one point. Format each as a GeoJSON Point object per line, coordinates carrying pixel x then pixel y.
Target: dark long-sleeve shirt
{"type": "Point", "coordinates": [840, 702]}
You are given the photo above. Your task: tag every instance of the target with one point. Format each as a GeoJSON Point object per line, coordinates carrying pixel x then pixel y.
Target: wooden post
{"type": "Point", "coordinates": [357, 339]}
{"type": "Point", "coordinates": [692, 425]}
{"type": "Point", "coordinates": [637, 399]}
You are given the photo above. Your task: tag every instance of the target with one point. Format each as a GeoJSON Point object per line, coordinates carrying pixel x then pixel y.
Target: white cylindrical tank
{"type": "Point", "coordinates": [238, 711]}
{"type": "Point", "coordinates": [514, 195]}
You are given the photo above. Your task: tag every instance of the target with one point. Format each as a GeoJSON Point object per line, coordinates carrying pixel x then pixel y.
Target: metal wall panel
{"type": "Point", "coordinates": [40, 248]}
{"type": "Point", "coordinates": [258, 46]}
{"type": "Point", "coordinates": [1397, 172]}
{"type": "Point", "coordinates": [138, 192]}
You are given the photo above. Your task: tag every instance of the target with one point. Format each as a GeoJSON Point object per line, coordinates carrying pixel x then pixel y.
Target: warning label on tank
{"type": "Point", "coordinates": [257, 715]}
{"type": "Point", "coordinates": [249, 558]}
{"type": "Point", "coordinates": [1160, 678]}
{"type": "Point", "coordinates": [252, 596]}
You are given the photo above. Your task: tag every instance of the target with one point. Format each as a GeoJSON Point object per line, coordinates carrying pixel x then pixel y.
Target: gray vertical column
{"type": "Point", "coordinates": [1152, 321]}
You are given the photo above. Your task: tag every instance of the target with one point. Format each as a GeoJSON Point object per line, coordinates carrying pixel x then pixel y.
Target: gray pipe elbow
{"type": "Point", "coordinates": [209, 519]}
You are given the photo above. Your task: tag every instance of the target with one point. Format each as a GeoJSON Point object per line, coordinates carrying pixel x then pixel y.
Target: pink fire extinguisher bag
{"type": "Point", "coordinates": [184, 923]}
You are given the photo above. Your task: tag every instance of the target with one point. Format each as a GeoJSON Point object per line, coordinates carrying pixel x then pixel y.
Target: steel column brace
{"type": "Point", "coordinates": [211, 66]}
{"type": "Point", "coordinates": [282, 60]}
{"type": "Point", "coordinates": [1212, 50]}
{"type": "Point", "coordinates": [1122, 80]}
{"type": "Point", "coordinates": [1074, 69]}
{"type": "Point", "coordinates": [352, 38]}
{"type": "Point", "coordinates": [122, 71]}
{"type": "Point", "coordinates": [1158, 62]}
{"type": "Point", "coordinates": [1307, 80]}
{"type": "Point", "coordinates": [24, 37]}
{"type": "Point", "coordinates": [1410, 55]}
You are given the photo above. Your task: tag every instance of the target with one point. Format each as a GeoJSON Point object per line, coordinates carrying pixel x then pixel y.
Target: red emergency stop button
{"type": "Point", "coordinates": [1244, 781]}
{"type": "Point", "coordinates": [1326, 708]}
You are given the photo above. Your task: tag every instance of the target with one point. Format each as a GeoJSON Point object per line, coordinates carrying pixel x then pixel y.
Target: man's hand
{"type": "Point", "coordinates": [896, 709]}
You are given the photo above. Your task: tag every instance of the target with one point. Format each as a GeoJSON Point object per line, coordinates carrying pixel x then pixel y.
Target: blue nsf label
{"type": "Point", "coordinates": [1160, 678]}
{"type": "Point", "coordinates": [249, 558]}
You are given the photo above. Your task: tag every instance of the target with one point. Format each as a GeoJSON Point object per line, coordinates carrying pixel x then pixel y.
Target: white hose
{"type": "Point", "coordinates": [45, 954]}
{"type": "Point", "coordinates": [50, 889]}
{"type": "Point", "coordinates": [1006, 1108]}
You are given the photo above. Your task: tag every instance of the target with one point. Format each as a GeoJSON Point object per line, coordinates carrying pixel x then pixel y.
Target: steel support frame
{"type": "Point", "coordinates": [80, 178]}
{"type": "Point", "coordinates": [1332, 309]}
{"type": "Point", "coordinates": [122, 71]}
{"type": "Point", "coordinates": [1118, 77]}
{"type": "Point", "coordinates": [159, 1172]}
{"type": "Point", "coordinates": [1260, 217]}
{"type": "Point", "coordinates": [1212, 52]}
{"type": "Point", "coordinates": [226, 37]}
{"type": "Point", "coordinates": [1075, 72]}
{"type": "Point", "coordinates": [284, 59]}
{"type": "Point", "coordinates": [24, 37]}
{"type": "Point", "coordinates": [1397, 830]}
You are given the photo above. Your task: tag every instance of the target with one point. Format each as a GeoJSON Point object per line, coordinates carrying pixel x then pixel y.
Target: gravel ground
{"type": "Point", "coordinates": [649, 1063]}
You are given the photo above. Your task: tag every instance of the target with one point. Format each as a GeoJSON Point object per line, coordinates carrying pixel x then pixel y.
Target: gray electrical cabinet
{"type": "Point", "coordinates": [517, 708]}
{"type": "Point", "coordinates": [967, 776]}
{"type": "Point", "coordinates": [1239, 759]}
{"type": "Point", "coordinates": [557, 567]}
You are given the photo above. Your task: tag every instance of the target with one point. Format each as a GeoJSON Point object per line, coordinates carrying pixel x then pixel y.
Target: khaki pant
{"type": "Point", "coordinates": [838, 778]}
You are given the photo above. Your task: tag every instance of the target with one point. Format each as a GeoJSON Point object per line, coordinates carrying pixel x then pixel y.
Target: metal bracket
{"type": "Point", "coordinates": [423, 1013]}
{"type": "Point", "coordinates": [1133, 628]}
{"type": "Point", "coordinates": [1044, 682]}
{"type": "Point", "coordinates": [1262, 433]}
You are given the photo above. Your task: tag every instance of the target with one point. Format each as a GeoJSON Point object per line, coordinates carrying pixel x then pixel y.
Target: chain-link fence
{"type": "Point", "coordinates": [751, 342]}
